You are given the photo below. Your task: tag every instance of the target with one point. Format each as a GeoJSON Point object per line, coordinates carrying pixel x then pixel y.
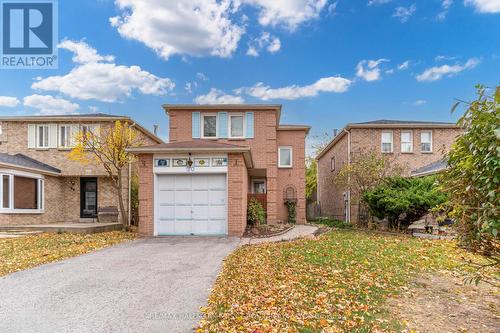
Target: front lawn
{"type": "Point", "coordinates": [337, 283]}
{"type": "Point", "coordinates": [29, 251]}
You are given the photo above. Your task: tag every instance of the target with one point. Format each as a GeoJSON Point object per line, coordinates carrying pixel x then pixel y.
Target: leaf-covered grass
{"type": "Point", "coordinates": [337, 283]}
{"type": "Point", "coordinates": [25, 252]}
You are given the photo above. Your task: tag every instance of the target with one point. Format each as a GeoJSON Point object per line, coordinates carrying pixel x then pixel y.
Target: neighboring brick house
{"type": "Point", "coordinates": [413, 145]}
{"type": "Point", "coordinates": [40, 184]}
{"type": "Point", "coordinates": [217, 157]}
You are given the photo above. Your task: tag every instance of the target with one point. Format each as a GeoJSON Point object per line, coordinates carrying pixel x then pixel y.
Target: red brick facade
{"type": "Point", "coordinates": [331, 197]}
{"type": "Point", "coordinates": [268, 136]}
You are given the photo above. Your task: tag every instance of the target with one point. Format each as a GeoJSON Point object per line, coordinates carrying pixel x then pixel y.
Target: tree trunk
{"type": "Point", "coordinates": [124, 213]}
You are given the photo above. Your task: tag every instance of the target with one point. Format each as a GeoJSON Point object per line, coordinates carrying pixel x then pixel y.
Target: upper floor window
{"type": "Point", "coordinates": [285, 157]}
{"type": "Point", "coordinates": [236, 126]}
{"type": "Point", "coordinates": [426, 141]}
{"type": "Point", "coordinates": [332, 164]}
{"type": "Point", "coordinates": [209, 123]}
{"type": "Point", "coordinates": [65, 136]}
{"type": "Point", "coordinates": [406, 141]}
{"type": "Point", "coordinates": [386, 145]}
{"type": "Point", "coordinates": [42, 136]}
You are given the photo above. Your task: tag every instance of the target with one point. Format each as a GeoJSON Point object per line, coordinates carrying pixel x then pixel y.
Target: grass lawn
{"type": "Point", "coordinates": [336, 283]}
{"type": "Point", "coordinates": [29, 251]}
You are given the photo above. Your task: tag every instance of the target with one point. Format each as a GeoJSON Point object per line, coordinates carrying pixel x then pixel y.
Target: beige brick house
{"type": "Point", "coordinates": [39, 183]}
{"type": "Point", "coordinates": [217, 157]}
{"type": "Point", "coordinates": [418, 146]}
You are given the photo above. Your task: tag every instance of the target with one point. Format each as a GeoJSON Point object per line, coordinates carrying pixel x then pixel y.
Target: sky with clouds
{"type": "Point", "coordinates": [329, 62]}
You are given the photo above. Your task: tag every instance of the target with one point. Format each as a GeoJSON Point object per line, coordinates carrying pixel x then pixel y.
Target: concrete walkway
{"type": "Point", "coordinates": [298, 231]}
{"type": "Point", "coordinates": [148, 285]}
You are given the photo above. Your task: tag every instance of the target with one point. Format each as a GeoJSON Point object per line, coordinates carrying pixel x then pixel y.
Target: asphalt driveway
{"type": "Point", "coordinates": [148, 285]}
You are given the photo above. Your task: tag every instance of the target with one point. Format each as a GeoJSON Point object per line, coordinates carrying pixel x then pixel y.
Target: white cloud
{"type": "Point", "coordinates": [93, 109]}
{"type": "Point", "coordinates": [105, 82]}
{"type": "Point", "coordinates": [265, 41]}
{"type": "Point", "coordinates": [8, 101]}
{"type": "Point", "coordinates": [289, 14]}
{"type": "Point", "coordinates": [50, 105]}
{"type": "Point", "coordinates": [445, 4]}
{"type": "Point", "coordinates": [442, 57]}
{"type": "Point", "coordinates": [404, 13]}
{"type": "Point", "coordinates": [419, 102]}
{"type": "Point", "coordinates": [201, 76]}
{"type": "Point", "coordinates": [369, 70]}
{"type": "Point", "coordinates": [378, 2]}
{"type": "Point", "coordinates": [83, 53]}
{"type": "Point", "coordinates": [192, 27]}
{"type": "Point", "coordinates": [484, 6]}
{"type": "Point", "coordinates": [404, 66]}
{"type": "Point", "coordinates": [438, 72]}
{"type": "Point", "coordinates": [335, 84]}
{"type": "Point", "coordinates": [216, 96]}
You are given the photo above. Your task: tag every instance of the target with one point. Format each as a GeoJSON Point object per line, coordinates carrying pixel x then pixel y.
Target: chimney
{"type": "Point", "coordinates": [155, 129]}
{"type": "Point", "coordinates": [335, 132]}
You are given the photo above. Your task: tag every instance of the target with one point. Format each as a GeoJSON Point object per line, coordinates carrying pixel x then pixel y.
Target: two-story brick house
{"type": "Point", "coordinates": [414, 145]}
{"type": "Point", "coordinates": [40, 184]}
{"type": "Point", "coordinates": [217, 156]}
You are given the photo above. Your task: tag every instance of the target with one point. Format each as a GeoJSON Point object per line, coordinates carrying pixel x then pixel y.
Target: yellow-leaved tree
{"type": "Point", "coordinates": [107, 148]}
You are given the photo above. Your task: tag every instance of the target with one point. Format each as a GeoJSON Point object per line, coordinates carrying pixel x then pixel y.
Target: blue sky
{"type": "Point", "coordinates": [327, 62]}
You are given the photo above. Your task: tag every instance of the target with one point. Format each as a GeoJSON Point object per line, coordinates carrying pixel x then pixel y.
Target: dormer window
{"type": "Point", "coordinates": [209, 126]}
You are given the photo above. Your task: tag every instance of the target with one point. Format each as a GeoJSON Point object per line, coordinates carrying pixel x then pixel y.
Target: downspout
{"type": "Point", "coordinates": [349, 176]}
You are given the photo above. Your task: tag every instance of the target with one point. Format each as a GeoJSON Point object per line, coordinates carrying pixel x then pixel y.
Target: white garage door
{"type": "Point", "coordinates": [191, 205]}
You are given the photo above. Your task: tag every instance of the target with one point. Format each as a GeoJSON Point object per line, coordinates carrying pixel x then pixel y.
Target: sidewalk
{"type": "Point", "coordinates": [298, 231]}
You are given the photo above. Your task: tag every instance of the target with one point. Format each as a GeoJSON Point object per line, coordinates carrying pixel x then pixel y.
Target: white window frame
{"type": "Point", "coordinates": [45, 139]}
{"type": "Point", "coordinates": [203, 126]}
{"type": "Point", "coordinates": [40, 193]}
{"type": "Point", "coordinates": [421, 142]}
{"type": "Point", "coordinates": [332, 164]}
{"type": "Point", "coordinates": [1, 131]}
{"type": "Point", "coordinates": [230, 135]}
{"type": "Point", "coordinates": [279, 156]}
{"type": "Point", "coordinates": [382, 142]}
{"type": "Point", "coordinates": [68, 136]}
{"type": "Point", "coordinates": [411, 141]}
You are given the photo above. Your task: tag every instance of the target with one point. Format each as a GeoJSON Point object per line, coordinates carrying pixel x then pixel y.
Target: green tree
{"type": "Point", "coordinates": [403, 200]}
{"type": "Point", "coordinates": [473, 177]}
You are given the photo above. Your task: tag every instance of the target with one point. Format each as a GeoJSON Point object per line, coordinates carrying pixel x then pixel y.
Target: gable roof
{"type": "Point", "coordinates": [402, 122]}
{"type": "Point", "coordinates": [83, 117]}
{"type": "Point", "coordinates": [24, 162]}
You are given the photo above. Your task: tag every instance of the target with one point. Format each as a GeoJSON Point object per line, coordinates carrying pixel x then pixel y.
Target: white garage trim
{"type": "Point", "coordinates": [183, 198]}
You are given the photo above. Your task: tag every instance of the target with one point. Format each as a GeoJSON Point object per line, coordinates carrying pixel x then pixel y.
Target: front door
{"type": "Point", "coordinates": [88, 197]}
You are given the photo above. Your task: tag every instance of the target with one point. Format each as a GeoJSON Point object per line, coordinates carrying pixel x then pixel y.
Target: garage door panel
{"type": "Point", "coordinates": [182, 227]}
{"type": "Point", "coordinates": [200, 212]}
{"type": "Point", "coordinates": [217, 182]}
{"type": "Point", "coordinates": [166, 197]}
{"type": "Point", "coordinates": [182, 197]}
{"type": "Point", "coordinates": [217, 212]}
{"type": "Point", "coordinates": [166, 183]}
{"type": "Point", "coordinates": [166, 212]}
{"type": "Point", "coordinates": [165, 227]}
{"type": "Point", "coordinates": [217, 197]}
{"type": "Point", "coordinates": [200, 197]}
{"type": "Point", "coordinates": [182, 182]}
{"type": "Point", "coordinates": [191, 205]}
